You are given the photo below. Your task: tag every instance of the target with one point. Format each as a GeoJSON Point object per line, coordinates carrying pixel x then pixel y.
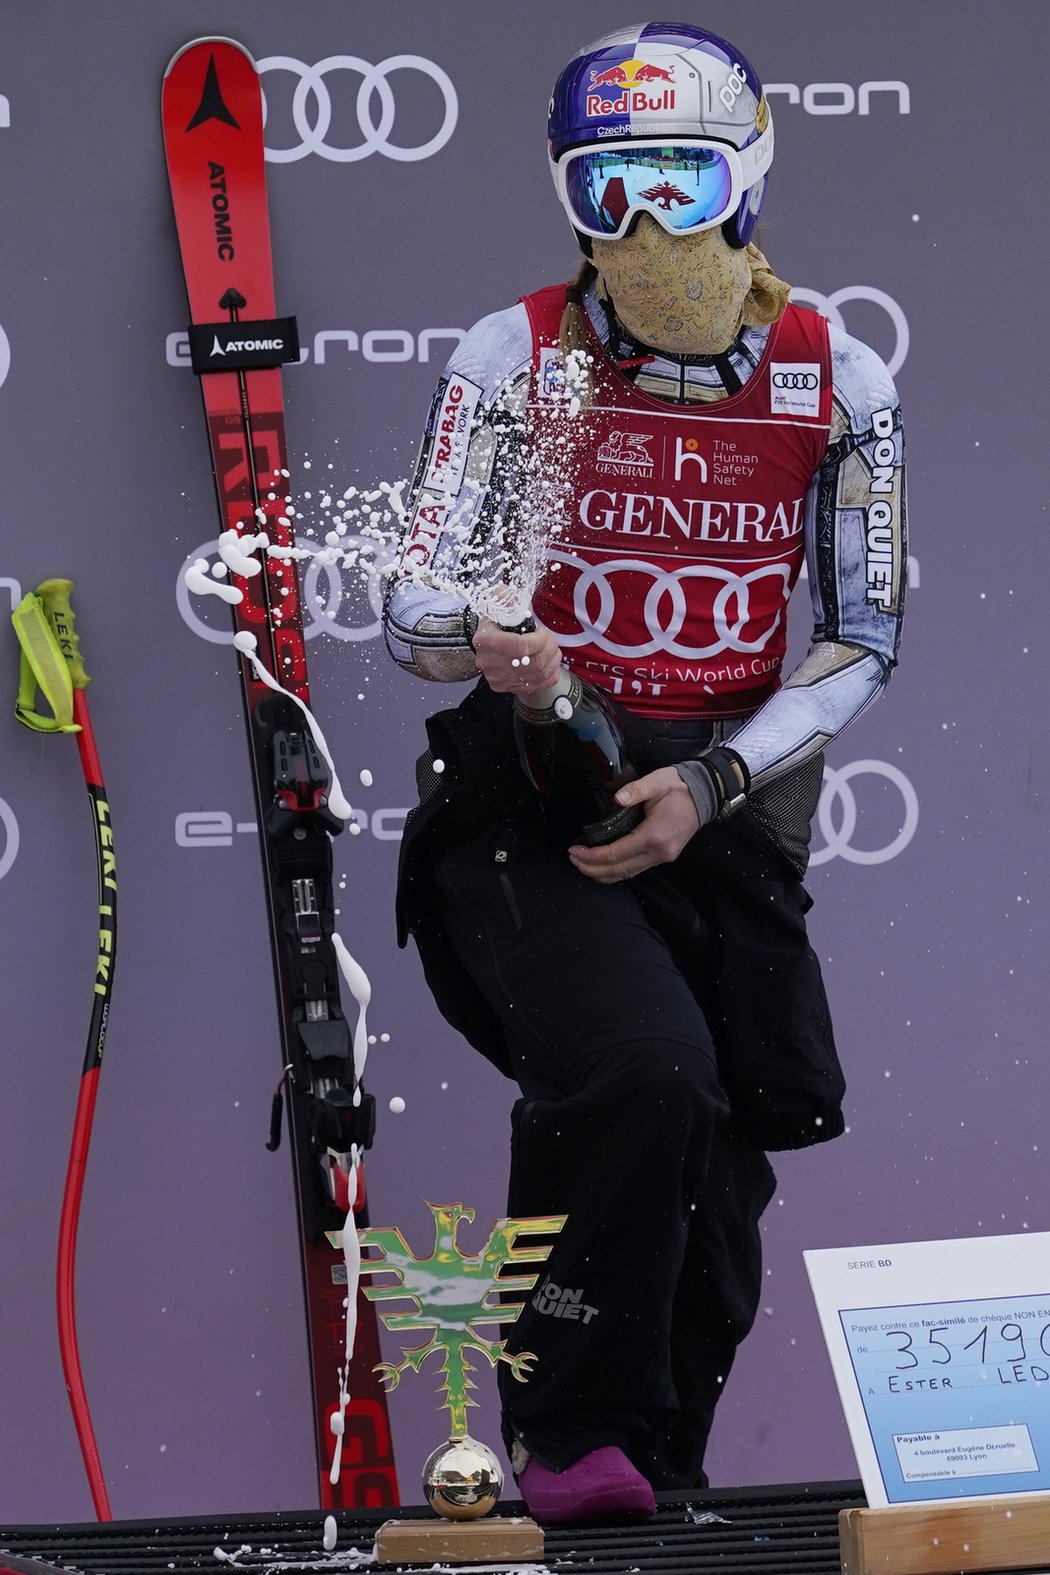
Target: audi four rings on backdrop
{"type": "Point", "coordinates": [319, 616]}
{"type": "Point", "coordinates": [312, 89]}
{"type": "Point", "coordinates": [11, 837]}
{"type": "Point", "coordinates": [829, 306]}
{"type": "Point", "coordinates": [837, 789]}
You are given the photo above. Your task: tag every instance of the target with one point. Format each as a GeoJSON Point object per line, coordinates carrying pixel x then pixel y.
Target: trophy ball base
{"type": "Point", "coordinates": [501, 1538]}
{"type": "Point", "coordinates": [462, 1479]}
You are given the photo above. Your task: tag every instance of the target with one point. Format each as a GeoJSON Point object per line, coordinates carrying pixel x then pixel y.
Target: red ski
{"type": "Point", "coordinates": [213, 138]}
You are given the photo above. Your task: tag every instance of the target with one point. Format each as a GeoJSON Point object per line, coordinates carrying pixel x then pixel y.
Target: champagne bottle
{"type": "Point", "coordinates": [571, 748]}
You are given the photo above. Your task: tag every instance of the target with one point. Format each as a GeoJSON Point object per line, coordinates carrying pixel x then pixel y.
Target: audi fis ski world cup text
{"type": "Point", "coordinates": [794, 388]}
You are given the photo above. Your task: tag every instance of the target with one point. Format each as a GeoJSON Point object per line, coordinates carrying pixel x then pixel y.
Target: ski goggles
{"type": "Point", "coordinates": [687, 186]}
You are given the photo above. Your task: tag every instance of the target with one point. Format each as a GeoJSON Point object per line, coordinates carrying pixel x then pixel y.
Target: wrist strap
{"type": "Point", "coordinates": [730, 778]}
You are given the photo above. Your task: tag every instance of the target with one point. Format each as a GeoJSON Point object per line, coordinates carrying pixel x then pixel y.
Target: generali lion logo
{"type": "Point", "coordinates": [625, 453]}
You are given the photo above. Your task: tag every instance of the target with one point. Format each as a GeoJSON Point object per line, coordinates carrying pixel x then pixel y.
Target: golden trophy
{"type": "Point", "coordinates": [452, 1295]}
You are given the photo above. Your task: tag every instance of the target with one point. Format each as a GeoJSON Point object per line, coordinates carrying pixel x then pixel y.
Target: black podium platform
{"type": "Point", "coordinates": [753, 1531]}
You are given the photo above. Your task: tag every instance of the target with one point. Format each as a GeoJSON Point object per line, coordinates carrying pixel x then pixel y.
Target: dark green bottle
{"type": "Point", "coordinates": [571, 748]}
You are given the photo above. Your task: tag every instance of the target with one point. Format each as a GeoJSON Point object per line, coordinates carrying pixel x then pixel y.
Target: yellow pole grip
{"type": "Point", "coordinates": [55, 598]}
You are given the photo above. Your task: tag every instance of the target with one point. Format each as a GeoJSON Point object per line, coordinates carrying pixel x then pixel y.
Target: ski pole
{"type": "Point", "coordinates": [51, 662]}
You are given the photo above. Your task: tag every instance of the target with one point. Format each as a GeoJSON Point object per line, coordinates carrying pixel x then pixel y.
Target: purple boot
{"type": "Point", "coordinates": [601, 1486]}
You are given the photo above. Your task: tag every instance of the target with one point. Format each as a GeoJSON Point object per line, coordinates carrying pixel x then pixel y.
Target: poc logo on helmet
{"type": "Point", "coordinates": [735, 84]}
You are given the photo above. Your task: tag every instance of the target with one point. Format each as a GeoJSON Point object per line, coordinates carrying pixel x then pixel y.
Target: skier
{"type": "Point", "coordinates": [656, 999]}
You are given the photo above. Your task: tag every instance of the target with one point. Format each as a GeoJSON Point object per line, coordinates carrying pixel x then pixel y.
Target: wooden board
{"type": "Point", "coordinates": [509, 1537]}
{"type": "Point", "coordinates": [943, 1539]}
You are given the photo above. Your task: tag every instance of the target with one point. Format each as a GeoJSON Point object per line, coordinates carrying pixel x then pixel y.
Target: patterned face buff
{"type": "Point", "coordinates": [687, 294]}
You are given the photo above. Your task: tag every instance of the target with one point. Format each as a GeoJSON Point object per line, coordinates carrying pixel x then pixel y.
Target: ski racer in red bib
{"type": "Point", "coordinates": [681, 441]}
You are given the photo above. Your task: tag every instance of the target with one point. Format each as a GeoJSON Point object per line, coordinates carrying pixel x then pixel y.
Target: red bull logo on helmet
{"type": "Point", "coordinates": [630, 89]}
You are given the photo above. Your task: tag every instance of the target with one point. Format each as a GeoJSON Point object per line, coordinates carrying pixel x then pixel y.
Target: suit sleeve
{"type": "Point", "coordinates": [461, 501]}
{"type": "Point", "coordinates": [856, 561]}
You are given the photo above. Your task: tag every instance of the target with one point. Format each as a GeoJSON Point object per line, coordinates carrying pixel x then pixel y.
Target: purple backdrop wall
{"type": "Point", "coordinates": [906, 138]}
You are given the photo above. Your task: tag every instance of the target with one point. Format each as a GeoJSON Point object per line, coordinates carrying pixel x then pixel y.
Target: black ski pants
{"type": "Point", "coordinates": [624, 1126]}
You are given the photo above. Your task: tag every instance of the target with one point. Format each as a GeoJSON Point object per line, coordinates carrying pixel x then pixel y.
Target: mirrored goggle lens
{"type": "Point", "coordinates": [685, 187]}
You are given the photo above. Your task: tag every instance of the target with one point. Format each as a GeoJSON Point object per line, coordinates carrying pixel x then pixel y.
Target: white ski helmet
{"type": "Point", "coordinates": [665, 118]}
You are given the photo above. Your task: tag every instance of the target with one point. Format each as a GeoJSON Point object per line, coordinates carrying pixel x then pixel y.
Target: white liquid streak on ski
{"type": "Point", "coordinates": [248, 646]}
{"type": "Point", "coordinates": [361, 989]}
{"type": "Point", "coordinates": [352, 1259]}
{"type": "Point", "coordinates": [198, 580]}
{"type": "Point", "coordinates": [236, 550]}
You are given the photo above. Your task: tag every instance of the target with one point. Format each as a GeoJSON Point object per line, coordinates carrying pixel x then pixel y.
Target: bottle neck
{"type": "Point", "coordinates": [540, 699]}
{"type": "Point", "coordinates": [544, 699]}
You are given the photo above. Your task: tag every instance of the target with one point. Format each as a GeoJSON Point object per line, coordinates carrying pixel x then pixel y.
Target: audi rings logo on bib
{"type": "Point", "coordinates": [794, 388]}
{"type": "Point", "coordinates": [866, 802]}
{"type": "Point", "coordinates": [666, 607]}
{"type": "Point", "coordinates": [9, 846]}
{"type": "Point", "coordinates": [794, 379]}
{"type": "Point", "coordinates": [332, 118]}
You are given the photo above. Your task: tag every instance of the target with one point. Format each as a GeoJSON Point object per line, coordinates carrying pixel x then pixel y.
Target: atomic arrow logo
{"type": "Point", "coordinates": [211, 106]}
